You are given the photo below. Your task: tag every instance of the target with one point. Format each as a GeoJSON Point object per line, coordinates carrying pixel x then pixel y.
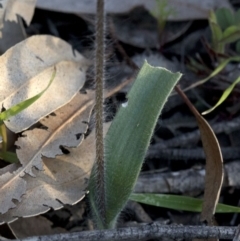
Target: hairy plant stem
{"type": "Point", "coordinates": [99, 80]}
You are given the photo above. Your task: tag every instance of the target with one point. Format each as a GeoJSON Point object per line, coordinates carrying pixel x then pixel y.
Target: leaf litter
{"type": "Point", "coordinates": [11, 8]}
{"type": "Point", "coordinates": [26, 70]}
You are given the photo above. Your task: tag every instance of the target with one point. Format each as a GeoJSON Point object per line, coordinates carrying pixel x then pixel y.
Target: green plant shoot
{"type": "Point", "coordinates": [14, 110]}
{"type": "Point", "coordinates": [127, 141]}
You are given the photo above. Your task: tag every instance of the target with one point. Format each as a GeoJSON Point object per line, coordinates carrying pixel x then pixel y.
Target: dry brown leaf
{"type": "Point", "coordinates": [62, 129]}
{"type": "Point", "coordinates": [34, 226]}
{"type": "Point", "coordinates": [214, 165]}
{"type": "Point", "coordinates": [184, 9]}
{"type": "Point", "coordinates": [26, 70]}
{"type": "Point", "coordinates": [11, 8]}
{"type": "Point", "coordinates": [63, 181]}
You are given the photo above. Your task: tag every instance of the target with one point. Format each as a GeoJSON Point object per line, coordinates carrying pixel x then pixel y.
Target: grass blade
{"type": "Point", "coordinates": [224, 96]}
{"type": "Point", "coordinates": [24, 104]}
{"type": "Point", "coordinates": [178, 202]}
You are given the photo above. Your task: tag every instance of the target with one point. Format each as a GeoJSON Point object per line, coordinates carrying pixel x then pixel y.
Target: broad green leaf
{"type": "Point", "coordinates": [224, 96]}
{"type": "Point", "coordinates": [178, 202]}
{"type": "Point", "coordinates": [231, 34]}
{"type": "Point", "coordinates": [128, 139]}
{"type": "Point", "coordinates": [225, 17]}
{"type": "Point", "coordinates": [24, 104]}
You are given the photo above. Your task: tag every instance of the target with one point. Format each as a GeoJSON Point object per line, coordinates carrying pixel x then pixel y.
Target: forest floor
{"type": "Point", "coordinates": [175, 161]}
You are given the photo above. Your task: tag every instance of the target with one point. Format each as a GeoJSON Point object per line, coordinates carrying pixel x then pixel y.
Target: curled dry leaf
{"type": "Point", "coordinates": [26, 70]}
{"type": "Point", "coordinates": [185, 10]}
{"type": "Point", "coordinates": [11, 8]}
{"type": "Point", "coordinates": [214, 165]}
{"type": "Point", "coordinates": [63, 181]}
{"type": "Point", "coordinates": [62, 129]}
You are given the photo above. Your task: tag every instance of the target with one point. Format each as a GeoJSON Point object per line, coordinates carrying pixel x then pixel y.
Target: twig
{"type": "Point", "coordinates": [147, 231]}
{"type": "Point", "coordinates": [186, 181]}
{"type": "Point", "coordinates": [194, 136]}
{"type": "Point", "coordinates": [191, 154]}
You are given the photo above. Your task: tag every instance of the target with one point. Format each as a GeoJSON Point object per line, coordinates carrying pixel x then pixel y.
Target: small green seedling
{"type": "Point", "coordinates": [162, 12]}
{"type": "Point", "coordinates": [225, 28]}
{"type": "Point", "coordinates": [14, 110]}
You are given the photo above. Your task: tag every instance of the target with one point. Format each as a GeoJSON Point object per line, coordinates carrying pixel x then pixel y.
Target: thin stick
{"type": "Point", "coordinates": [147, 231]}
{"type": "Point", "coordinates": [99, 80]}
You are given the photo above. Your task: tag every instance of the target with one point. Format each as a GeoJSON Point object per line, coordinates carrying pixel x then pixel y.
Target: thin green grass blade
{"type": "Point", "coordinates": [177, 202]}
{"type": "Point", "coordinates": [3, 134]}
{"type": "Point", "coordinates": [128, 139]}
{"type": "Point", "coordinates": [24, 104]}
{"type": "Point", "coordinates": [220, 67]}
{"type": "Point", "coordinates": [224, 96]}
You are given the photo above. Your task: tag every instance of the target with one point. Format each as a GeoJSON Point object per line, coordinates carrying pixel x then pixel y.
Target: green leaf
{"type": "Point", "coordinates": [9, 157]}
{"type": "Point", "coordinates": [220, 67]}
{"type": "Point", "coordinates": [178, 202]}
{"type": "Point", "coordinates": [237, 17]}
{"type": "Point", "coordinates": [225, 18]}
{"type": "Point", "coordinates": [24, 104]}
{"type": "Point", "coordinates": [224, 96]}
{"type": "Point", "coordinates": [128, 138]}
{"type": "Point", "coordinates": [230, 35]}
{"type": "Point", "coordinates": [3, 134]}
{"type": "Point", "coordinates": [216, 33]}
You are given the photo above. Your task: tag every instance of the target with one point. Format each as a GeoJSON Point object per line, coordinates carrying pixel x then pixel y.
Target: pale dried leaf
{"type": "Point", "coordinates": [11, 8]}
{"type": "Point", "coordinates": [63, 129]}
{"type": "Point", "coordinates": [26, 70]}
{"type": "Point", "coordinates": [24, 8]}
{"type": "Point", "coordinates": [185, 9]}
{"type": "Point", "coordinates": [63, 181]}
